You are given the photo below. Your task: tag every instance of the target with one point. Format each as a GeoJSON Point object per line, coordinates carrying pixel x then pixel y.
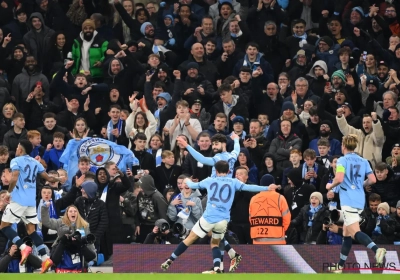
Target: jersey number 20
{"type": "Point", "coordinates": [31, 178]}
{"type": "Point", "coordinates": [218, 192]}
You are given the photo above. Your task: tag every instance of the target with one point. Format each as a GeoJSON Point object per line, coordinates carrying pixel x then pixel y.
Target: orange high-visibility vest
{"type": "Point", "coordinates": [269, 217]}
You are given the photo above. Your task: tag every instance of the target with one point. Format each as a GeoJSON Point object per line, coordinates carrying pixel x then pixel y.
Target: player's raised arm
{"type": "Point", "coordinates": [195, 154]}
{"type": "Point", "coordinates": [239, 186]}
{"type": "Point", "coordinates": [50, 179]}
{"type": "Point", "coordinates": [191, 184]}
{"type": "Point", "coordinates": [236, 146]}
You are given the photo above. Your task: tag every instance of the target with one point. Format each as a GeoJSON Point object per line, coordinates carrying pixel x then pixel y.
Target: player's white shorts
{"type": "Point", "coordinates": [351, 215]}
{"type": "Point", "coordinates": [15, 213]}
{"type": "Point", "coordinates": [202, 228]}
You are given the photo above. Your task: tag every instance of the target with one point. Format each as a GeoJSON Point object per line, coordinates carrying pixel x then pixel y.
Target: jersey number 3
{"type": "Point", "coordinates": [31, 178]}
{"type": "Point", "coordinates": [219, 192]}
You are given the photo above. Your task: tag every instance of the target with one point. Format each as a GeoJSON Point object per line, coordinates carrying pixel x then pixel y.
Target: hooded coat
{"type": "Point", "coordinates": [114, 190]}
{"type": "Point", "coordinates": [317, 84]}
{"type": "Point", "coordinates": [38, 43]}
{"type": "Point", "coordinates": [195, 214]}
{"type": "Point", "coordinates": [253, 170]}
{"type": "Point", "coordinates": [275, 172]}
{"type": "Point", "coordinates": [152, 204]}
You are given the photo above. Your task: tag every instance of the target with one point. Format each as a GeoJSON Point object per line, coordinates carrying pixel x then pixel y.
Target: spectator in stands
{"type": "Point", "coordinates": [15, 134]}
{"type": "Point", "coordinates": [383, 227]}
{"type": "Point", "coordinates": [371, 135]}
{"type": "Point", "coordinates": [370, 212]}
{"type": "Point", "coordinates": [311, 170]}
{"type": "Point", "coordinates": [269, 166]}
{"type": "Point", "coordinates": [88, 51]}
{"type": "Point", "coordinates": [325, 132]}
{"type": "Point", "coordinates": [284, 143]}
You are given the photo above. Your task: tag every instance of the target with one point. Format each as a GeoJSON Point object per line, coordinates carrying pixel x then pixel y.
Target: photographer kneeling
{"type": "Point", "coordinates": [74, 241]}
{"type": "Point", "coordinates": [162, 234]}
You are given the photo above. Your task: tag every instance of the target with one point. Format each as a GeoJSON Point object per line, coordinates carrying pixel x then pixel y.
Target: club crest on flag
{"type": "Point", "coordinates": [98, 151]}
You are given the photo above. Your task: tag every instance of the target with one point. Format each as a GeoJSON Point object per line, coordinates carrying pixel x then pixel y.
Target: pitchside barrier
{"type": "Point", "coordinates": [138, 258]}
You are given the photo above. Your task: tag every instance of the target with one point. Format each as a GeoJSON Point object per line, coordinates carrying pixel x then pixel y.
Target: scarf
{"type": "Point", "coordinates": [233, 35]}
{"type": "Point", "coordinates": [104, 194]}
{"type": "Point", "coordinates": [333, 204]}
{"type": "Point", "coordinates": [110, 127]}
{"type": "Point", "coordinates": [52, 211]}
{"type": "Point", "coordinates": [178, 207]}
{"type": "Point", "coordinates": [158, 156]}
{"type": "Point", "coordinates": [313, 181]}
{"type": "Point", "coordinates": [377, 229]}
{"type": "Point", "coordinates": [311, 213]}
{"type": "Point", "coordinates": [77, 14]}
{"type": "Point", "coordinates": [228, 107]}
{"type": "Point", "coordinates": [253, 65]}
{"type": "Point", "coordinates": [243, 135]}
{"type": "Point", "coordinates": [302, 37]}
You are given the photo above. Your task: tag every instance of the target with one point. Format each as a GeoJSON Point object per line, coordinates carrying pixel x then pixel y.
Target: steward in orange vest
{"type": "Point", "coordinates": [269, 215]}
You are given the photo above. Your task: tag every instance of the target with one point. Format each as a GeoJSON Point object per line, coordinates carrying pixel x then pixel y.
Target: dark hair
{"type": "Point", "coordinates": [221, 116]}
{"type": "Point", "coordinates": [140, 136]}
{"type": "Point", "coordinates": [381, 166]}
{"type": "Point", "coordinates": [116, 106]}
{"type": "Point", "coordinates": [222, 166]}
{"type": "Point", "coordinates": [256, 121]}
{"type": "Point", "coordinates": [26, 145]}
{"type": "Point", "coordinates": [160, 84]}
{"type": "Point", "coordinates": [59, 135]}
{"type": "Point", "coordinates": [343, 51]}
{"type": "Point", "coordinates": [156, 135]}
{"type": "Point", "coordinates": [313, 111]}
{"type": "Point", "coordinates": [49, 115]}
{"type": "Point", "coordinates": [184, 5]}
{"type": "Point", "coordinates": [203, 134]}
{"type": "Point", "coordinates": [17, 116]}
{"type": "Point", "coordinates": [224, 87]}
{"type": "Point", "coordinates": [3, 150]}
{"type": "Point", "coordinates": [394, 108]}
{"type": "Point", "coordinates": [252, 44]}
{"type": "Point", "coordinates": [90, 175]}
{"type": "Point", "coordinates": [84, 159]}
{"type": "Point", "coordinates": [177, 150]}
{"type": "Point", "coordinates": [374, 197]}
{"type": "Point", "coordinates": [146, 121]}
{"type": "Point", "coordinates": [219, 138]}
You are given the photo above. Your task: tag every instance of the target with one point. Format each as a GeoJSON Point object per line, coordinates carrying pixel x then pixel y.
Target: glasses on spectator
{"type": "Point", "coordinates": [390, 11]}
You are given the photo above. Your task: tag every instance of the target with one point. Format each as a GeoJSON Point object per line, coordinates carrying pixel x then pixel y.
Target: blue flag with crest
{"type": "Point", "coordinates": [99, 151]}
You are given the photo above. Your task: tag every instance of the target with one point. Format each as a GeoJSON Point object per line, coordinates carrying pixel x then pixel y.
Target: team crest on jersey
{"type": "Point", "coordinates": [98, 151]}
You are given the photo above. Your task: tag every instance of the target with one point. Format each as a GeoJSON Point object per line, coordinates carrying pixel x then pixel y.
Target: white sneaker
{"type": "Point", "coordinates": [335, 268]}
{"type": "Point", "coordinates": [379, 255]}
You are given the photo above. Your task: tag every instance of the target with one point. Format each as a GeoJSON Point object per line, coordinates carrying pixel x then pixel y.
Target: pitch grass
{"type": "Point", "coordinates": [172, 276]}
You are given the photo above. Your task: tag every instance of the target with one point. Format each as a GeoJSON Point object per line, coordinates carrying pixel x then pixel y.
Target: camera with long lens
{"type": "Point", "coordinates": [180, 230]}
{"type": "Point", "coordinates": [76, 235]}
{"type": "Point", "coordinates": [162, 225]}
{"type": "Point", "coordinates": [88, 239]}
{"type": "Point", "coordinates": [335, 216]}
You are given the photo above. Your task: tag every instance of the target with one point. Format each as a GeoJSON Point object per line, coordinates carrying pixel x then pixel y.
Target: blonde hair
{"type": "Point", "coordinates": [80, 222]}
{"type": "Point", "coordinates": [12, 105]}
{"type": "Point", "coordinates": [350, 142]}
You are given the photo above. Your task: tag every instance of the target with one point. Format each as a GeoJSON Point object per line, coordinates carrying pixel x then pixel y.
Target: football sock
{"type": "Point", "coordinates": [38, 241]}
{"type": "Point", "coordinates": [346, 247]}
{"type": "Point", "coordinates": [13, 236]}
{"type": "Point", "coordinates": [178, 251]}
{"type": "Point", "coordinates": [216, 253]}
{"type": "Point", "coordinates": [365, 240]}
{"type": "Point", "coordinates": [229, 249]}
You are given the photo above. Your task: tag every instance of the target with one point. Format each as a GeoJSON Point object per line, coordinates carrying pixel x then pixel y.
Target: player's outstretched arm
{"type": "Point", "coordinates": [51, 179]}
{"type": "Point", "coordinates": [236, 146]}
{"type": "Point", "coordinates": [255, 188]}
{"type": "Point", "coordinates": [191, 184]}
{"type": "Point", "coordinates": [199, 157]}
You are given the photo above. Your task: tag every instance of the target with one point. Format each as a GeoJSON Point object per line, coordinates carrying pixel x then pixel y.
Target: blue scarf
{"type": "Point", "coordinates": [313, 181]}
{"type": "Point", "coordinates": [312, 212]}
{"type": "Point", "coordinates": [158, 156]}
{"type": "Point", "coordinates": [52, 211]}
{"type": "Point", "coordinates": [110, 127]}
{"type": "Point", "coordinates": [178, 207]}
{"type": "Point", "coordinates": [377, 229]}
{"type": "Point", "coordinates": [302, 37]}
{"type": "Point", "coordinates": [252, 65]}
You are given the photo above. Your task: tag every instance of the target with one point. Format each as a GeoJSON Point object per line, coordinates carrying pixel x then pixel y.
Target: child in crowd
{"type": "Point", "coordinates": [323, 149]}
{"type": "Point", "coordinates": [167, 173]}
{"type": "Point", "coordinates": [264, 119]}
{"type": "Point", "coordinates": [295, 158]}
{"type": "Point", "coordinates": [54, 151]}
{"type": "Point", "coordinates": [35, 138]}
{"type": "Point", "coordinates": [4, 158]}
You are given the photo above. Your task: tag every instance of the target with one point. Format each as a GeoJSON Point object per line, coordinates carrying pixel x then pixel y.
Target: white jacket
{"type": "Point", "coordinates": [149, 131]}
{"type": "Point", "coordinates": [370, 145]}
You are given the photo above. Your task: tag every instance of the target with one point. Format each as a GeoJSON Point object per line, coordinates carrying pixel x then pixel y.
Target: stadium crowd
{"type": "Point", "coordinates": [290, 78]}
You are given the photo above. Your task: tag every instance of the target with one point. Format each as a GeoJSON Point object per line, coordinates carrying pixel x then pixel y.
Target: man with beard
{"type": "Point", "coordinates": [257, 144]}
{"type": "Point", "coordinates": [228, 59]}
{"type": "Point", "coordinates": [325, 133]}
{"type": "Point", "coordinates": [24, 82]}
{"type": "Point", "coordinates": [391, 19]}
{"type": "Point", "coordinates": [88, 51]}
{"type": "Point", "coordinates": [371, 135]}
{"type": "Point", "coordinates": [38, 39]}
{"type": "Point", "coordinates": [219, 149]}
{"type": "Point", "coordinates": [383, 70]}
{"type": "Point", "coordinates": [147, 29]}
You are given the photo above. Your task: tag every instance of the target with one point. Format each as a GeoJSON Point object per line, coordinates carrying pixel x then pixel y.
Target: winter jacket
{"type": "Point", "coordinates": [23, 84]}
{"type": "Point", "coordinates": [309, 233]}
{"type": "Point", "coordinates": [11, 140]}
{"type": "Point", "coordinates": [38, 43]}
{"type": "Point", "coordinates": [97, 52]}
{"type": "Point", "coordinates": [267, 76]}
{"type": "Point", "coordinates": [370, 145]}
{"type": "Point", "coordinates": [387, 227]}
{"type": "Point", "coordinates": [94, 211]}
{"type": "Point", "coordinates": [167, 177]}
{"type": "Point", "coordinates": [334, 149]}
{"type": "Point", "coordinates": [281, 147]}
{"type": "Point", "coordinates": [61, 228]}
{"type": "Point", "coordinates": [330, 57]}
{"type": "Point", "coordinates": [195, 214]}
{"type": "Point", "coordinates": [152, 204]}
{"type": "Point", "coordinates": [47, 135]}
{"type": "Point", "coordinates": [388, 189]}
